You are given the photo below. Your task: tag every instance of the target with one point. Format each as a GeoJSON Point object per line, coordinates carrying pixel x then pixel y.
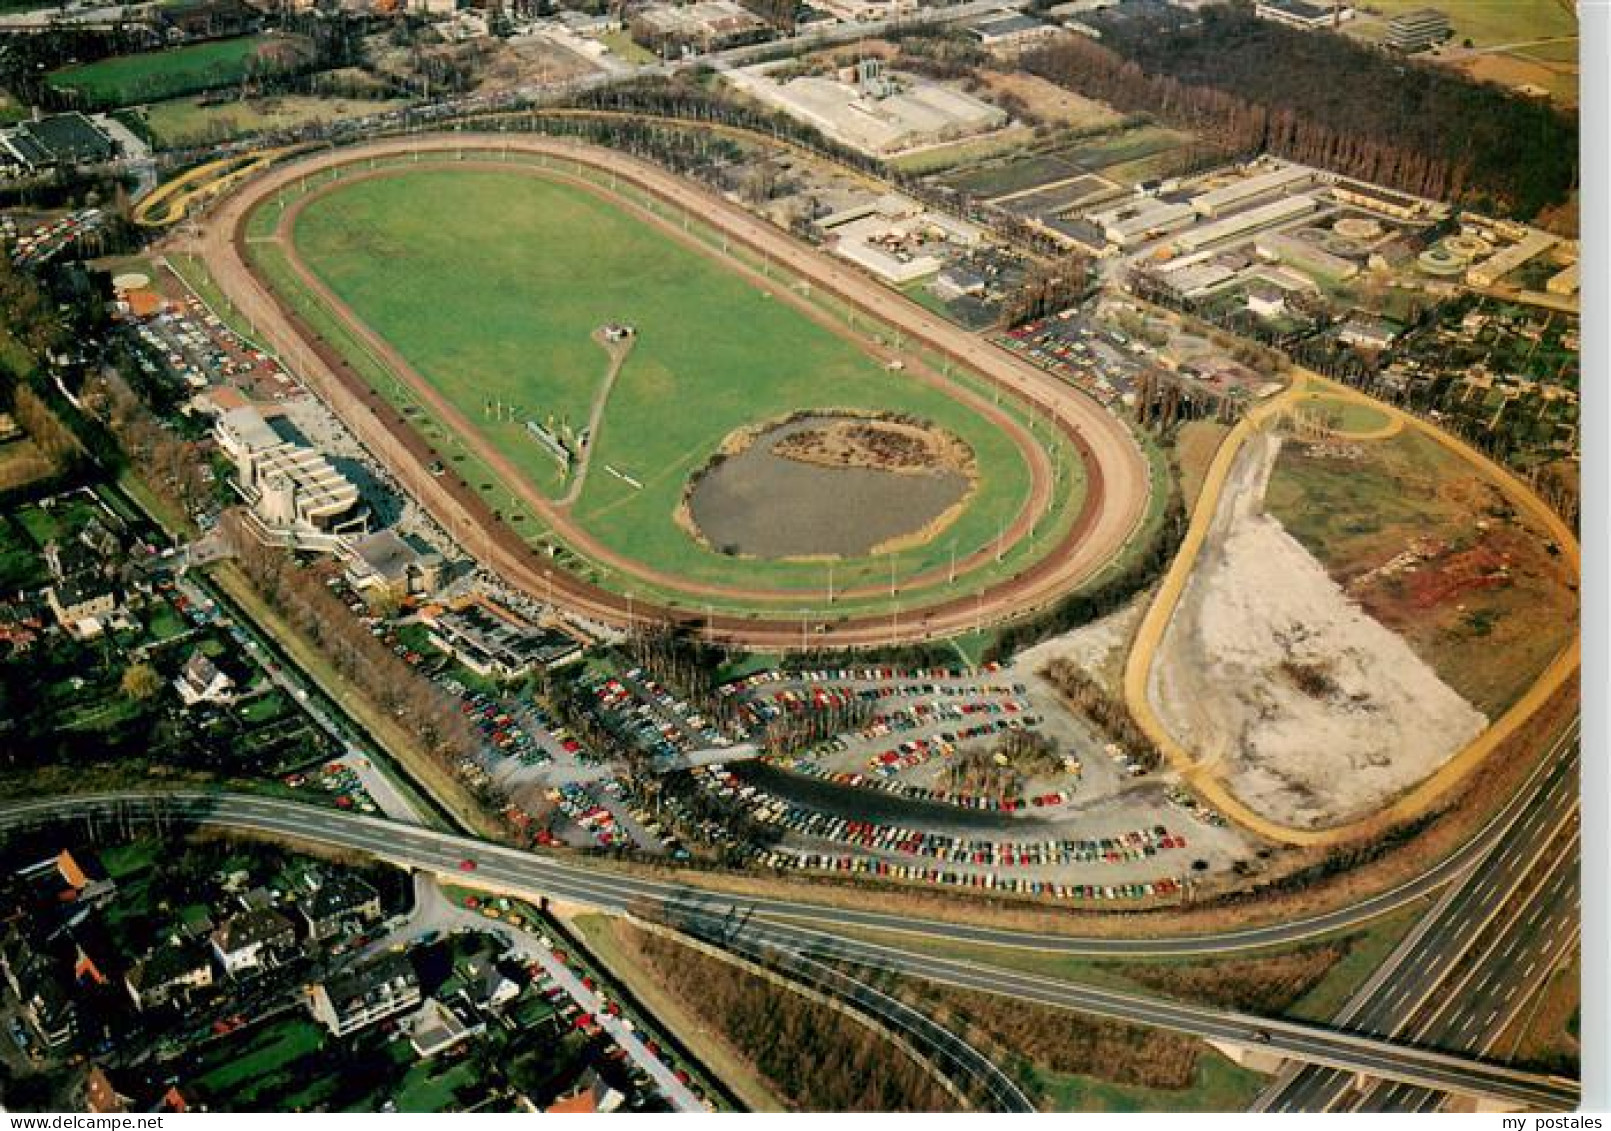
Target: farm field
{"type": "Point", "coordinates": [506, 337]}
{"type": "Point", "coordinates": [1473, 588]}
{"type": "Point", "coordinates": [178, 121]}
{"type": "Point", "coordinates": [156, 75]}
{"type": "Point", "coordinates": [1124, 155]}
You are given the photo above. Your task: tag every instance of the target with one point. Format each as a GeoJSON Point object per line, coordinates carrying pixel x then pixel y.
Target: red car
{"type": "Point", "coordinates": [466, 865]}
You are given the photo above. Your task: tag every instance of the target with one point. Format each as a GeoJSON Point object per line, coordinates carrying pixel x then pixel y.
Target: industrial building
{"type": "Point", "coordinates": [1135, 222]}
{"type": "Point", "coordinates": [1415, 31]}
{"type": "Point", "coordinates": [1503, 262]}
{"type": "Point", "coordinates": [1375, 198]}
{"type": "Point", "coordinates": [872, 111]}
{"type": "Point", "coordinates": [1304, 15]}
{"type": "Point", "coordinates": [1011, 31]}
{"type": "Point", "coordinates": [1566, 283]}
{"type": "Point", "coordinates": [1309, 258]}
{"type": "Point", "coordinates": [297, 497]}
{"type": "Point", "coordinates": [1241, 223]}
{"type": "Point", "coordinates": [896, 239]}
{"type": "Point", "coordinates": [54, 141]}
{"type": "Point", "coordinates": [1282, 179]}
{"type": "Point", "coordinates": [707, 25]}
{"type": "Point", "coordinates": [1194, 280]}
{"type": "Point", "coordinates": [862, 11]}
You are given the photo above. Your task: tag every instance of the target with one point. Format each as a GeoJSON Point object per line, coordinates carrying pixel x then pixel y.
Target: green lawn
{"type": "Point", "coordinates": [621, 45]}
{"type": "Point", "coordinates": [21, 565]}
{"type": "Point", "coordinates": [430, 1088]}
{"type": "Point", "coordinates": [504, 313]}
{"type": "Point", "coordinates": [181, 121]}
{"type": "Point", "coordinates": [241, 1073]}
{"type": "Point", "coordinates": [1348, 415]}
{"type": "Point", "coordinates": [1218, 1085]}
{"type": "Point", "coordinates": [1488, 23]}
{"type": "Point", "coordinates": [154, 75]}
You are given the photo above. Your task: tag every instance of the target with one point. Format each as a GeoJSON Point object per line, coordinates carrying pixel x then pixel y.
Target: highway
{"type": "Point", "coordinates": [1456, 981]}
{"type": "Point", "coordinates": [528, 875]}
{"type": "Point", "coordinates": [973, 1073]}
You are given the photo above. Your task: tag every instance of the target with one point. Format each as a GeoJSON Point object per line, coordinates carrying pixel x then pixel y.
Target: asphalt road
{"type": "Point", "coordinates": [1475, 959]}
{"type": "Point", "coordinates": [522, 873]}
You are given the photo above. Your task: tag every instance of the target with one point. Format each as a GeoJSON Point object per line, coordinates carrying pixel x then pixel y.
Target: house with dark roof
{"type": "Point", "coordinates": [338, 904]}
{"type": "Point", "coordinates": [252, 939]}
{"type": "Point", "coordinates": [201, 681]}
{"type": "Point", "coordinates": [362, 997]}
{"type": "Point", "coordinates": [173, 970]}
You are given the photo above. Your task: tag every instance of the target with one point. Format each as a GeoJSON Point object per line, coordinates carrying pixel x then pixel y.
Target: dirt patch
{"type": "Point", "coordinates": [1435, 553]}
{"type": "Point", "coordinates": [883, 445]}
{"type": "Point", "coordinates": [1318, 712]}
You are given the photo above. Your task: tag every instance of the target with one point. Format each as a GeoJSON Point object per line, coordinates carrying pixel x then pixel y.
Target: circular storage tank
{"type": "Point", "coordinates": [1360, 228]}
{"type": "Point", "coordinates": [1342, 246]}
{"type": "Point", "coordinates": [1438, 260]}
{"type": "Point", "coordinates": [1467, 246]}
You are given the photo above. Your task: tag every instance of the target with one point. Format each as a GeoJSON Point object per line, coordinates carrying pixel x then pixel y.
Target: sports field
{"type": "Point", "coordinates": [154, 75]}
{"type": "Point", "coordinates": [499, 319]}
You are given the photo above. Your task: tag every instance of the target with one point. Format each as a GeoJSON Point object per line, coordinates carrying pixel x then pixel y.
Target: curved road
{"type": "Point", "coordinates": [1118, 475]}
{"type": "Point", "coordinates": [527, 875]}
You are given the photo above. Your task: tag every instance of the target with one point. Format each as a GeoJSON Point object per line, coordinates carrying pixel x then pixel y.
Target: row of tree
{"type": "Point", "coordinates": [299, 595]}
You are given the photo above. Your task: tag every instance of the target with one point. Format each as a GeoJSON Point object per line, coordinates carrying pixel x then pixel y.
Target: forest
{"type": "Point", "coordinates": [1253, 86]}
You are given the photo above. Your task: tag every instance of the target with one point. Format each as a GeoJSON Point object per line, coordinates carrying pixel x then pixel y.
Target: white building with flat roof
{"type": "Point", "coordinates": [297, 496]}
{"type": "Point", "coordinates": [883, 117]}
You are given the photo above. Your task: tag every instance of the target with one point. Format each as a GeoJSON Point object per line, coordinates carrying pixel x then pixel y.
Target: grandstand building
{"type": "Point", "coordinates": [297, 498]}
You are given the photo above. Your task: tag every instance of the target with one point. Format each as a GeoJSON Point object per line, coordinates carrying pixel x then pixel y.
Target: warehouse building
{"type": "Point", "coordinates": [1135, 222]}
{"type": "Point", "coordinates": [1309, 258]}
{"type": "Point", "coordinates": [1009, 31]}
{"type": "Point", "coordinates": [1304, 15]}
{"type": "Point", "coordinates": [871, 110]}
{"type": "Point", "coordinates": [1503, 262]}
{"type": "Point", "coordinates": [1285, 178]}
{"type": "Point", "coordinates": [1241, 223]}
{"type": "Point", "coordinates": [707, 25]}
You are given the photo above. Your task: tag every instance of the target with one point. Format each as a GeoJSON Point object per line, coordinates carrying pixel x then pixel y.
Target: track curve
{"type": "Point", "coordinates": [1118, 477]}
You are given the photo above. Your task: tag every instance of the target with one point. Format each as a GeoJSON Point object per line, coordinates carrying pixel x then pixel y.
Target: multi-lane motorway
{"type": "Point", "coordinates": [1458, 981]}
{"type": "Point", "coordinates": [778, 923]}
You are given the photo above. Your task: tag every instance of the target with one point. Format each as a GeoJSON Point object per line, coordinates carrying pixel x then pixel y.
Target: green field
{"type": "Point", "coordinates": [504, 313]}
{"type": "Point", "coordinates": [154, 75]}
{"type": "Point", "coordinates": [183, 121]}
{"type": "Point", "coordinates": [1488, 23]}
{"type": "Point", "coordinates": [1217, 1085]}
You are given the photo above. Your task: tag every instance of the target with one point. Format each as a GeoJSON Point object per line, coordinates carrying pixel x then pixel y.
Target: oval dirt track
{"type": "Point", "coordinates": [1117, 473]}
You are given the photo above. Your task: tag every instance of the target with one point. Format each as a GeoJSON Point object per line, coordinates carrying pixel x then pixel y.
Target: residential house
{"type": "Point", "coordinates": [437, 1028]}
{"type": "Point", "coordinates": [173, 970]}
{"type": "Point", "coordinates": [358, 999]}
{"type": "Point", "coordinates": [201, 681]}
{"type": "Point", "coordinates": [252, 939]}
{"type": "Point", "coordinates": [337, 905]}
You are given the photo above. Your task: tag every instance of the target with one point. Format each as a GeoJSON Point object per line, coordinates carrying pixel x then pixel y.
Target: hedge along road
{"type": "Point", "coordinates": [1203, 774]}
{"type": "Point", "coordinates": [1117, 485]}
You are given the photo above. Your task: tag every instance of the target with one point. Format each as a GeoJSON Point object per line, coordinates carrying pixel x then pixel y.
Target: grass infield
{"type": "Point", "coordinates": [502, 313]}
